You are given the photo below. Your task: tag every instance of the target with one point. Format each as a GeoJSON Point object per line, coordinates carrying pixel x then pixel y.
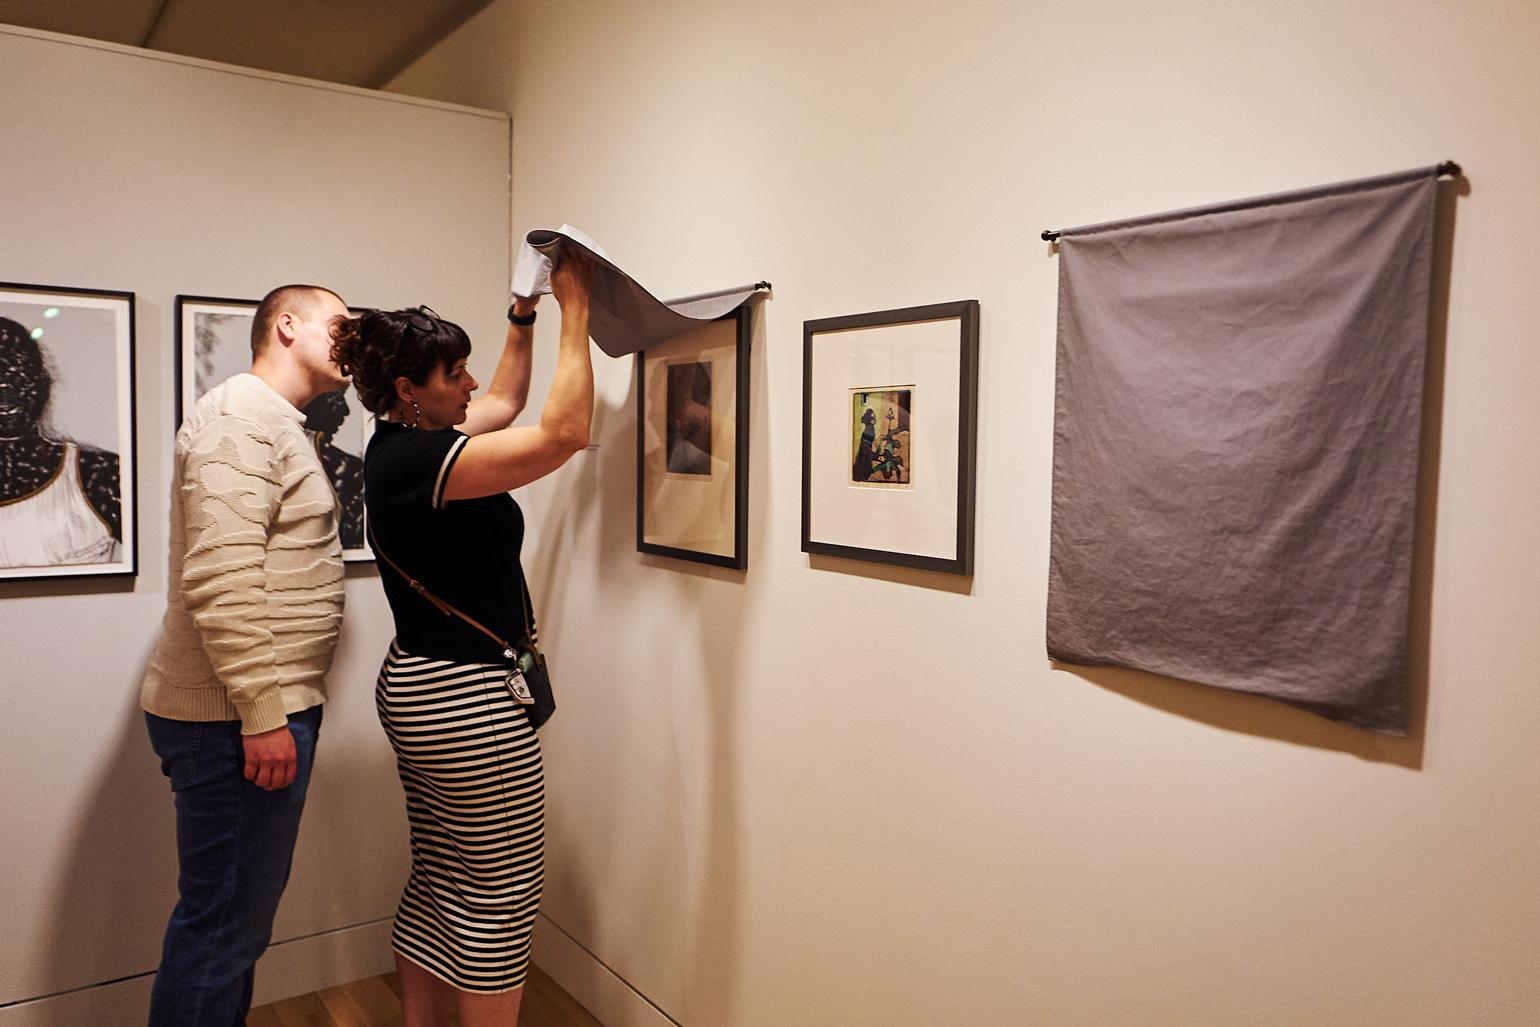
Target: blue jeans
{"type": "Point", "coordinates": [234, 844]}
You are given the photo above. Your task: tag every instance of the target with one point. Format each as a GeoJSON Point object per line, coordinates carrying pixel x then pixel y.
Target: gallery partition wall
{"type": "Point", "coordinates": [830, 791]}
{"type": "Point", "coordinates": [133, 172]}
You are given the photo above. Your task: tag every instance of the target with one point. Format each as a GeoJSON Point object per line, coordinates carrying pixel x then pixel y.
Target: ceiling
{"type": "Point", "coordinates": [355, 42]}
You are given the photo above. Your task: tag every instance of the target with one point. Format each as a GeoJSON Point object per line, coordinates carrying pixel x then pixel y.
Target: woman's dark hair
{"type": "Point", "coordinates": [380, 346]}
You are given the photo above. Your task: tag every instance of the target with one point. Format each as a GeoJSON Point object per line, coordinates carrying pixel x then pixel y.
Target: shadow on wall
{"type": "Point", "coordinates": [698, 693]}
{"type": "Point", "coordinates": [111, 896]}
{"type": "Point", "coordinates": [38, 587]}
{"type": "Point", "coordinates": [715, 945]}
{"type": "Point", "coordinates": [1267, 718]}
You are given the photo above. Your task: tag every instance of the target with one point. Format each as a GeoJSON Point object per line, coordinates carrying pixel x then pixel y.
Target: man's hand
{"type": "Point", "coordinates": [523, 306]}
{"type": "Point", "coordinates": [270, 758]}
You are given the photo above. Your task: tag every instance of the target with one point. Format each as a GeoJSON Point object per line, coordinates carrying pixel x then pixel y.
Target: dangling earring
{"type": "Point", "coordinates": [416, 413]}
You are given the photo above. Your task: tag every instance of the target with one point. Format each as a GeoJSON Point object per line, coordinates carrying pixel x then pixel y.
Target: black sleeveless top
{"type": "Point", "coordinates": [465, 551]}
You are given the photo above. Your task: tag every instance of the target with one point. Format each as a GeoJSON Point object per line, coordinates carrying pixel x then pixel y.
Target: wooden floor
{"type": "Point", "coordinates": [376, 1002]}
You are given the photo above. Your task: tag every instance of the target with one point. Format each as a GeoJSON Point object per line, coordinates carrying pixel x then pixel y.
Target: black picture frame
{"type": "Point", "coordinates": [99, 468]}
{"type": "Point", "coordinates": [817, 484]}
{"type": "Point", "coordinates": [187, 392]}
{"type": "Point", "coordinates": [647, 474]}
{"type": "Point", "coordinates": [233, 356]}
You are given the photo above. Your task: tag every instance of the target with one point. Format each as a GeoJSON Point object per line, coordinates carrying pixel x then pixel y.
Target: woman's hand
{"type": "Point", "coordinates": [523, 306]}
{"type": "Point", "coordinates": [571, 279]}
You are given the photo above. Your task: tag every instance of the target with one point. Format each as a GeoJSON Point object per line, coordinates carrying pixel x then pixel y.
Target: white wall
{"type": "Point", "coordinates": [830, 793]}
{"type": "Point", "coordinates": [124, 169]}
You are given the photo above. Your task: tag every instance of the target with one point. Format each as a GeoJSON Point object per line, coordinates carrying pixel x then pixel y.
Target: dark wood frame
{"type": "Point", "coordinates": [363, 554]}
{"type": "Point", "coordinates": [740, 558]}
{"type": "Point", "coordinates": [966, 313]}
{"type": "Point", "coordinates": [128, 493]}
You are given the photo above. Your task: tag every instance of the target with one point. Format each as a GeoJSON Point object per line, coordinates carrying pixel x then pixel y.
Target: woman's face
{"type": "Point", "coordinates": [442, 399]}
{"type": "Point", "coordinates": [24, 382]}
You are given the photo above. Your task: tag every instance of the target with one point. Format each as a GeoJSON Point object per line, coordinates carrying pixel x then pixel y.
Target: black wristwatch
{"type": "Point", "coordinates": [522, 322]}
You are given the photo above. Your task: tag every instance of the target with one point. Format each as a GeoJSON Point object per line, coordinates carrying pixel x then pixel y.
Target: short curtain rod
{"type": "Point", "coordinates": [697, 297]}
{"type": "Point", "coordinates": [1445, 170]}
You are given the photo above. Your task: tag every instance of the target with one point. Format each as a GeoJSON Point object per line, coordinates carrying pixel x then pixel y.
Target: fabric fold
{"type": "Point", "coordinates": [624, 317]}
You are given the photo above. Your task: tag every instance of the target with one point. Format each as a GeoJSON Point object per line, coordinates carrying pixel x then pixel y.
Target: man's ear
{"type": "Point", "coordinates": [286, 327]}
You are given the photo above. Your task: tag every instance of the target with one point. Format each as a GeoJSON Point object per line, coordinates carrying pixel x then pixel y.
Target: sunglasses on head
{"type": "Point", "coordinates": [421, 318]}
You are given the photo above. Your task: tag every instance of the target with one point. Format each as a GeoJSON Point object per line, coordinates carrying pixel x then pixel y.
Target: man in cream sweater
{"type": "Point", "coordinates": [233, 692]}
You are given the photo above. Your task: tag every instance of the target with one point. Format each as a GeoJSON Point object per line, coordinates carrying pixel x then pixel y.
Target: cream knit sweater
{"type": "Point", "coordinates": [254, 600]}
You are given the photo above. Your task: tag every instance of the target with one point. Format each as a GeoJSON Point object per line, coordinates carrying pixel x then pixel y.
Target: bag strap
{"type": "Point", "coordinates": [449, 610]}
{"type": "Point", "coordinates": [529, 616]}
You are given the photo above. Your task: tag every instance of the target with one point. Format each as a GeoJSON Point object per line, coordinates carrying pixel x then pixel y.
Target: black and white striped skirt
{"type": "Point", "coordinates": [475, 798]}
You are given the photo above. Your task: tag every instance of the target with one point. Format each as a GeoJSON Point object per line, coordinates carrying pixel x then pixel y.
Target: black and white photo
{"type": "Point", "coordinates": [67, 490]}
{"type": "Point", "coordinates": [214, 342]}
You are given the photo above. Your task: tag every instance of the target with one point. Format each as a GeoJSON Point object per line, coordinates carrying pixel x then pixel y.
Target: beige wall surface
{"type": "Point", "coordinates": [825, 792]}
{"type": "Point", "coordinates": [132, 171]}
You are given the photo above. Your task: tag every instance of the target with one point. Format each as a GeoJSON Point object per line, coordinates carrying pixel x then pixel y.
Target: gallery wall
{"type": "Point", "coordinates": [826, 792]}
{"type": "Point", "coordinates": [129, 170]}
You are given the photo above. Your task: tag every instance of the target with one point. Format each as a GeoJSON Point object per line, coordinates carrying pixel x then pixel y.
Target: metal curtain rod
{"type": "Point", "coordinates": [1447, 169]}
{"type": "Point", "coordinates": [697, 297]}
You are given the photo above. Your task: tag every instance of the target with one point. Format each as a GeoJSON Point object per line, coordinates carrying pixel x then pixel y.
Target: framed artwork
{"type": "Point", "coordinates": [68, 487]}
{"type": "Point", "coordinates": [692, 444]}
{"type": "Point", "coordinates": [214, 342]}
{"type": "Point", "coordinates": [889, 430]}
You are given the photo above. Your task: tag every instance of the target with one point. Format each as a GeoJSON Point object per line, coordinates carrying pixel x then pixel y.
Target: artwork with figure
{"type": "Point", "coordinates": [65, 418]}
{"type": "Point", "coordinates": [692, 453]}
{"type": "Point", "coordinates": [219, 333]}
{"type": "Point", "coordinates": [881, 454]}
{"type": "Point", "coordinates": [324, 418]}
{"type": "Point", "coordinates": [873, 486]}
{"type": "Point", "coordinates": [689, 418]}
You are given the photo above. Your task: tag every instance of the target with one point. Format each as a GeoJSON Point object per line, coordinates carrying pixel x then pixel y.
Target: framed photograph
{"type": "Point", "coordinates": [889, 429]}
{"type": "Point", "coordinates": [68, 492]}
{"type": "Point", "coordinates": [214, 342]}
{"type": "Point", "coordinates": [692, 444]}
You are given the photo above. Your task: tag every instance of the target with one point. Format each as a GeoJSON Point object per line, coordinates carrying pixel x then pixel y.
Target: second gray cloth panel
{"type": "Point", "coordinates": [1237, 427]}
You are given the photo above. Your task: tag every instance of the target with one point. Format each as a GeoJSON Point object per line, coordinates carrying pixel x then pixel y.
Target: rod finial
{"type": "Point", "coordinates": [1049, 235]}
{"type": "Point", "coordinates": [1449, 167]}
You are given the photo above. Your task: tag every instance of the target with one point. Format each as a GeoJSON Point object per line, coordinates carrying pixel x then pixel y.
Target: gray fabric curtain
{"type": "Point", "coordinates": [1237, 425]}
{"type": "Point", "coordinates": [623, 316]}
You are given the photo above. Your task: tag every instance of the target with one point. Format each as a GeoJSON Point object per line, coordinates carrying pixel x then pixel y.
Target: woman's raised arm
{"type": "Point", "coordinates": [505, 397]}
{"type": "Point", "coordinates": [499, 460]}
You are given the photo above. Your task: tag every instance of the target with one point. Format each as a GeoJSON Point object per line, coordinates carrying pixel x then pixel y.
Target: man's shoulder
{"type": "Point", "coordinates": [218, 426]}
{"type": "Point", "coordinates": [242, 406]}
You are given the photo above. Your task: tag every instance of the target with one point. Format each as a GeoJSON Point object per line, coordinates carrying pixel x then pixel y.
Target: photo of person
{"type": "Point", "coordinates": [689, 418]}
{"type": "Point", "coordinates": [62, 488]}
{"type": "Point", "coordinates": [323, 418]}
{"type": "Point", "coordinates": [216, 343]}
{"type": "Point", "coordinates": [881, 453]}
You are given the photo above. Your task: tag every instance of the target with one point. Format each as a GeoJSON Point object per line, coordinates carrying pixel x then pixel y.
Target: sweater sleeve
{"type": "Point", "coordinates": [231, 485]}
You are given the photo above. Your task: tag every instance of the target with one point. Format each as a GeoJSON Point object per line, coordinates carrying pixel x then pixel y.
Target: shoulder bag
{"type": "Point", "coordinates": [530, 680]}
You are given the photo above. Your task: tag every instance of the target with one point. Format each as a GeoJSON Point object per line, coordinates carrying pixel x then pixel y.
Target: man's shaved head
{"type": "Point", "coordinates": [296, 299]}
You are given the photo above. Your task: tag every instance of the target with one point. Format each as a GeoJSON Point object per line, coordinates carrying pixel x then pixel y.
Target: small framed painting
{"type": "Point", "coordinates": [889, 430]}
{"type": "Point", "coordinates": [214, 342]}
{"type": "Point", "coordinates": [692, 444]}
{"type": "Point", "coordinates": [68, 494]}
